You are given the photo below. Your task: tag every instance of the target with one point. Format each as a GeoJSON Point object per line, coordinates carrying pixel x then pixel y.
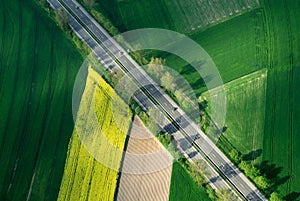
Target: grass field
{"type": "Point", "coordinates": [235, 53]}
{"type": "Point", "coordinates": [267, 37]}
{"type": "Point", "coordinates": [246, 99]}
{"type": "Point", "coordinates": [281, 139]}
{"type": "Point", "coordinates": [85, 178]}
{"type": "Point", "coordinates": [36, 83]}
{"type": "Point", "coordinates": [183, 186]}
{"type": "Point", "coordinates": [280, 133]}
{"type": "Point", "coordinates": [178, 15]}
{"type": "Point", "coordinates": [37, 70]}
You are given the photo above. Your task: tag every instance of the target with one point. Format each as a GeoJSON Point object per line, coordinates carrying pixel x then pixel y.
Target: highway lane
{"type": "Point", "coordinates": [217, 158]}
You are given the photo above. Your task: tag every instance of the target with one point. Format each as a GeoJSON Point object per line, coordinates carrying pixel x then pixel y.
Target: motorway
{"type": "Point", "coordinates": [111, 54]}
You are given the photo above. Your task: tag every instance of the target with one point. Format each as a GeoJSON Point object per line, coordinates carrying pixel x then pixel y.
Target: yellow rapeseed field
{"type": "Point", "coordinates": [85, 178]}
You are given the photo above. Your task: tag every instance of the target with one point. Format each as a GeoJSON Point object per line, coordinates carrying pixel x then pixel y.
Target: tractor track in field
{"type": "Point", "coordinates": [49, 98]}
{"type": "Point", "coordinates": [9, 114]}
{"type": "Point", "coordinates": [271, 80]}
{"type": "Point", "coordinates": [61, 122]}
{"type": "Point", "coordinates": [65, 111]}
{"type": "Point", "coordinates": [12, 176]}
{"type": "Point", "coordinates": [290, 36]}
{"type": "Point", "coordinates": [3, 17]}
{"type": "Point", "coordinates": [6, 189]}
{"type": "Point", "coordinates": [26, 107]}
{"type": "Point", "coordinates": [284, 71]}
{"type": "Point", "coordinates": [91, 179]}
{"type": "Point", "coordinates": [2, 63]}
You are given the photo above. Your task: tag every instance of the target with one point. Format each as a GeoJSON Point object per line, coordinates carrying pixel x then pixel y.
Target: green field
{"type": "Point", "coordinates": [280, 129]}
{"type": "Point", "coordinates": [38, 65]}
{"type": "Point", "coordinates": [237, 46]}
{"type": "Point", "coordinates": [178, 15]}
{"type": "Point", "coordinates": [245, 111]}
{"type": "Point", "coordinates": [37, 70]}
{"type": "Point", "coordinates": [282, 134]}
{"type": "Point", "coordinates": [267, 37]}
{"type": "Point", "coordinates": [183, 187]}
{"type": "Point", "coordinates": [235, 54]}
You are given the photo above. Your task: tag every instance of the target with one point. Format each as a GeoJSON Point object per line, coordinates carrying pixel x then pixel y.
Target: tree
{"type": "Point", "coordinates": [211, 193]}
{"type": "Point", "coordinates": [226, 195]}
{"type": "Point", "coordinates": [253, 171]}
{"type": "Point", "coordinates": [249, 170]}
{"type": "Point", "coordinates": [156, 67]}
{"type": "Point", "coordinates": [261, 182]}
{"type": "Point", "coordinates": [275, 197]}
{"type": "Point", "coordinates": [154, 117]}
{"type": "Point", "coordinates": [202, 166]}
{"type": "Point", "coordinates": [196, 174]}
{"type": "Point", "coordinates": [167, 81]}
{"type": "Point", "coordinates": [44, 3]}
{"type": "Point", "coordinates": [89, 3]}
{"type": "Point", "coordinates": [62, 19]}
{"type": "Point", "coordinates": [235, 155]}
{"type": "Point", "coordinates": [139, 54]}
{"type": "Point", "coordinates": [186, 104]}
{"type": "Point", "coordinates": [174, 151]}
{"type": "Point", "coordinates": [199, 171]}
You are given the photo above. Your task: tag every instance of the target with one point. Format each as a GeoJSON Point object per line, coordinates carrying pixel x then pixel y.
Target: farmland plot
{"type": "Point", "coordinates": [36, 84]}
{"type": "Point", "coordinates": [86, 178]}
{"type": "Point", "coordinates": [236, 46]}
{"type": "Point", "coordinates": [148, 185]}
{"type": "Point", "coordinates": [178, 15]}
{"type": "Point", "coordinates": [246, 98]}
{"type": "Point", "coordinates": [282, 136]}
{"type": "Point", "coordinates": [183, 187]}
{"type": "Point", "coordinates": [195, 14]}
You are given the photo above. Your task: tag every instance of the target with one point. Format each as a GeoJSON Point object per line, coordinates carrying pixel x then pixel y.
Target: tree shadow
{"type": "Point", "coordinates": [292, 196]}
{"type": "Point", "coordinates": [192, 154]}
{"type": "Point", "coordinates": [252, 155]}
{"type": "Point", "coordinates": [272, 173]}
{"type": "Point", "coordinates": [222, 130]}
{"type": "Point", "coordinates": [203, 104]}
{"type": "Point", "coordinates": [170, 128]}
{"type": "Point", "coordinates": [198, 83]}
{"type": "Point", "coordinates": [187, 70]}
{"type": "Point", "coordinates": [184, 144]}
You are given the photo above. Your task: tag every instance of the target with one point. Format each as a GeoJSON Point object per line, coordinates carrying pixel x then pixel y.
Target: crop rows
{"type": "Point", "coordinates": [178, 15]}
{"type": "Point", "coordinates": [195, 14]}
{"type": "Point", "coordinates": [35, 101]}
{"type": "Point", "coordinates": [281, 140]}
{"type": "Point", "coordinates": [86, 178]}
{"type": "Point", "coordinates": [245, 115]}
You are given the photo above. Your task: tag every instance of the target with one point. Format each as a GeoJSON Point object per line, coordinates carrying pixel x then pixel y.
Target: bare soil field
{"type": "Point", "coordinates": [147, 186]}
